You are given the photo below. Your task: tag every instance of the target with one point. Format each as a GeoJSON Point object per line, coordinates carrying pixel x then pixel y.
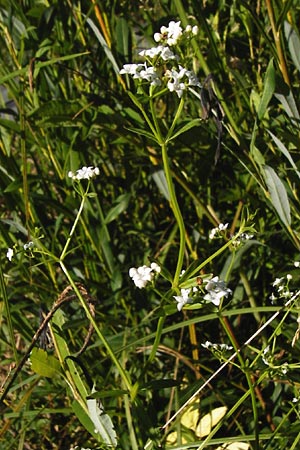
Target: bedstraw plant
{"type": "Point", "coordinates": [149, 225]}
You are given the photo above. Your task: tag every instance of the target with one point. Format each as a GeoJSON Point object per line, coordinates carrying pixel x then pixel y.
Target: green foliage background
{"type": "Point", "coordinates": [65, 106]}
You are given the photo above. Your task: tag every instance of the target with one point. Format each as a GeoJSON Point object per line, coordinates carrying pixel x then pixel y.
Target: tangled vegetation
{"type": "Point", "coordinates": [149, 217]}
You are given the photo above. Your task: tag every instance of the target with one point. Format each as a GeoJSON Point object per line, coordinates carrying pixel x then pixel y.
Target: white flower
{"type": "Point", "coordinates": [177, 83]}
{"type": "Point", "coordinates": [297, 263]}
{"type": "Point", "coordinates": [217, 230]}
{"type": "Point", "coordinates": [265, 357]}
{"type": "Point", "coordinates": [142, 72]}
{"type": "Point", "coordinates": [289, 277]}
{"type": "Point", "coordinates": [9, 254]}
{"type": "Point", "coordinates": [183, 299]}
{"type": "Point", "coordinates": [161, 50]}
{"type": "Point", "coordinates": [85, 173]}
{"type": "Point", "coordinates": [130, 69]}
{"type": "Point", "coordinates": [195, 30]}
{"type": "Point", "coordinates": [220, 347]}
{"type": "Point", "coordinates": [216, 290]}
{"type": "Point", "coordinates": [278, 281]}
{"type": "Point", "coordinates": [142, 275]}
{"type": "Point", "coordinates": [170, 34]}
{"type": "Point", "coordinates": [28, 245]}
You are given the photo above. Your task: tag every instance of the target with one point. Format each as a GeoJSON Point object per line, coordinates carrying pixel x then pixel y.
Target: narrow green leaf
{"type": "Point", "coordinates": [278, 195]}
{"type": "Point", "coordinates": [269, 87]}
{"type": "Point", "coordinates": [122, 35]}
{"type": "Point", "coordinates": [289, 104]}
{"type": "Point", "coordinates": [121, 205]}
{"type": "Point", "coordinates": [44, 364]}
{"type": "Point", "coordinates": [285, 152]}
{"type": "Point", "coordinates": [104, 45]}
{"type": "Point", "coordinates": [191, 124]}
{"type": "Point", "coordinates": [141, 132]}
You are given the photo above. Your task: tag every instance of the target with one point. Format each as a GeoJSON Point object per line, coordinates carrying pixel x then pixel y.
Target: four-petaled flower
{"type": "Point", "coordinates": [183, 299]}
{"type": "Point", "coordinates": [144, 274]}
{"type": "Point", "coordinates": [216, 290]}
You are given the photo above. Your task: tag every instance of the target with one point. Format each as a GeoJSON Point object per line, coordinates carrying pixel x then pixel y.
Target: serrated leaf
{"type": "Point", "coordinates": [44, 364]}
{"type": "Point", "coordinates": [269, 87]}
{"type": "Point", "coordinates": [101, 421]}
{"type": "Point", "coordinates": [278, 195]}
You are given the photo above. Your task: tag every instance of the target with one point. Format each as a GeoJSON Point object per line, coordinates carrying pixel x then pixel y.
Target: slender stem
{"type": "Point", "coordinates": [177, 213]}
{"type": "Point", "coordinates": [65, 249]}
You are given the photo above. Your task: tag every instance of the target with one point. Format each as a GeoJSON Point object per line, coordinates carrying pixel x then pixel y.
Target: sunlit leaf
{"type": "Point", "coordinates": [102, 421]}
{"type": "Point", "coordinates": [43, 363]}
{"type": "Point", "coordinates": [208, 421]}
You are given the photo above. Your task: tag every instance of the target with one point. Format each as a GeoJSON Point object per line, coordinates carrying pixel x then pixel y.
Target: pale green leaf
{"type": "Point", "coordinates": [161, 182]}
{"type": "Point", "coordinates": [278, 195]}
{"type": "Point", "coordinates": [102, 421]}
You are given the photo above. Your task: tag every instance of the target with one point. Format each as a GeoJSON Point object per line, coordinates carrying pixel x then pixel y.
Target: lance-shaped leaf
{"type": "Point", "coordinates": [278, 195]}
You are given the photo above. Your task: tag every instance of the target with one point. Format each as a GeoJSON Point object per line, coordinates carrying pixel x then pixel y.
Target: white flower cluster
{"type": "Point", "coordinates": [268, 359]}
{"type": "Point", "coordinates": [178, 78]}
{"type": "Point", "coordinates": [216, 231]}
{"type": "Point", "coordinates": [85, 173]}
{"type": "Point", "coordinates": [144, 274]}
{"type": "Point", "coordinates": [282, 288]}
{"type": "Point", "coordinates": [171, 34]}
{"type": "Point", "coordinates": [216, 290]}
{"type": "Point", "coordinates": [219, 347]}
{"type": "Point", "coordinates": [11, 252]}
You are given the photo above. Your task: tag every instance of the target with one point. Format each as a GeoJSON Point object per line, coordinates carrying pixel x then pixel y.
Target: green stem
{"type": "Point", "coordinates": [176, 211]}
{"type": "Point", "coordinates": [65, 249]}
